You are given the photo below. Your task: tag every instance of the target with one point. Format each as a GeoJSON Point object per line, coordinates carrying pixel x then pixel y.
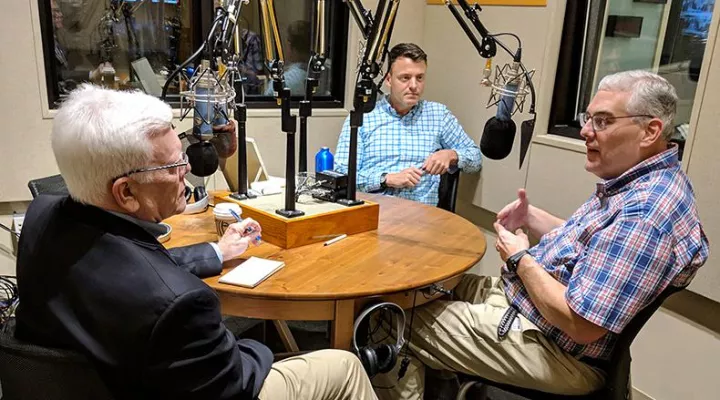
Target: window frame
{"type": "Point", "coordinates": [573, 82]}
{"type": "Point", "coordinates": [202, 16]}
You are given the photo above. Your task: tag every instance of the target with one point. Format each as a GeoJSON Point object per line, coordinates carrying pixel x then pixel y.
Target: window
{"type": "Point", "coordinates": [137, 44]}
{"type": "Point", "coordinates": [607, 36]}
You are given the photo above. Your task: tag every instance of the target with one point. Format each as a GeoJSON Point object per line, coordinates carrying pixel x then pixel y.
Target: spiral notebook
{"type": "Point", "coordinates": [252, 272]}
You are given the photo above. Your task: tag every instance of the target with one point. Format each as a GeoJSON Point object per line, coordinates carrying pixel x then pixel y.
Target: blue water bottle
{"type": "Point", "coordinates": [324, 160]}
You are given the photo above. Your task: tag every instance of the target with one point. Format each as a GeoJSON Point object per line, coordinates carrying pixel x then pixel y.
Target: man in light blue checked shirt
{"type": "Point", "coordinates": [406, 143]}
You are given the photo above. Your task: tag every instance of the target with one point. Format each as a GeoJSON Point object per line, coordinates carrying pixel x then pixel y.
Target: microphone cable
{"type": "Point", "coordinates": [4, 227]}
{"type": "Point", "coordinates": [9, 298]}
{"type": "Point", "coordinates": [406, 360]}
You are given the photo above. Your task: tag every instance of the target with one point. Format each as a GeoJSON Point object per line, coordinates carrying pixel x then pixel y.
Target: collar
{"type": "Point", "coordinates": [664, 160]}
{"type": "Point", "coordinates": [385, 105]}
{"type": "Point", "coordinates": [152, 228]}
{"type": "Point", "coordinates": [141, 232]}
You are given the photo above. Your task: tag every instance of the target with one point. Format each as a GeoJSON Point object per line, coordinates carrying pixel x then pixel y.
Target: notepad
{"type": "Point", "coordinates": [250, 273]}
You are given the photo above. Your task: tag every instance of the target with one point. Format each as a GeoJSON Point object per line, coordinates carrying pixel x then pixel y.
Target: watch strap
{"type": "Point", "coordinates": [514, 260]}
{"type": "Point", "coordinates": [383, 178]}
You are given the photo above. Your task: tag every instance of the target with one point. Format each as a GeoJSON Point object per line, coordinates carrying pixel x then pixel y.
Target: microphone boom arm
{"type": "Point", "coordinates": [275, 64]}
{"type": "Point", "coordinates": [365, 87]}
{"type": "Point", "coordinates": [487, 48]}
{"type": "Point", "coordinates": [316, 65]}
{"type": "Point", "coordinates": [362, 17]}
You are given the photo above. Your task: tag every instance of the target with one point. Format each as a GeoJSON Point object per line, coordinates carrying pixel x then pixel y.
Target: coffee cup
{"type": "Point", "coordinates": [223, 216]}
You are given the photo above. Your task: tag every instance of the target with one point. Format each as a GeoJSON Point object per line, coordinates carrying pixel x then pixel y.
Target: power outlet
{"type": "Point", "coordinates": [18, 220]}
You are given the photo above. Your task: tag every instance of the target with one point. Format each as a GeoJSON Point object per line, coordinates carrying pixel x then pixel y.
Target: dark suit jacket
{"type": "Point", "coordinates": [94, 282]}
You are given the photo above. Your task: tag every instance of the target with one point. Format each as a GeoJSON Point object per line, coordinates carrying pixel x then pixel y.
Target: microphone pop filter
{"type": "Point", "coordinates": [497, 138]}
{"type": "Point", "coordinates": [203, 158]}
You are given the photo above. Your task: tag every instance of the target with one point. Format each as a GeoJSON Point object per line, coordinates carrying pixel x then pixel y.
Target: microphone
{"type": "Point", "coordinates": [499, 133]}
{"type": "Point", "coordinates": [210, 96]}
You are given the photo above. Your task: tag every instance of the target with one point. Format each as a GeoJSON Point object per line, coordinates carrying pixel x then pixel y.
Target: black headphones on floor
{"type": "Point", "coordinates": [380, 358]}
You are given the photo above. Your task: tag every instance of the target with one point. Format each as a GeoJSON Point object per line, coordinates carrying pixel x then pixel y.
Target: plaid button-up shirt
{"type": "Point", "coordinates": [388, 142]}
{"type": "Point", "coordinates": [636, 235]}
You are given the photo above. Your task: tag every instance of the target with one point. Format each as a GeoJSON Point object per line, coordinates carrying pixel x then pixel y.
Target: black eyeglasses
{"type": "Point", "coordinates": [181, 163]}
{"type": "Point", "coordinates": [601, 122]}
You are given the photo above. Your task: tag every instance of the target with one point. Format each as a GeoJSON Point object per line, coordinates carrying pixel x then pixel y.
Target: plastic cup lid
{"type": "Point", "coordinates": [223, 209]}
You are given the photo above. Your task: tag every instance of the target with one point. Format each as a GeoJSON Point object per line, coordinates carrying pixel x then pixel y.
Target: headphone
{"type": "Point", "coordinates": [380, 358]}
{"type": "Point", "coordinates": [201, 200]}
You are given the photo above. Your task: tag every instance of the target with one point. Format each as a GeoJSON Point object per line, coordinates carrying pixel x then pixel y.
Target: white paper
{"type": "Point", "coordinates": [250, 273]}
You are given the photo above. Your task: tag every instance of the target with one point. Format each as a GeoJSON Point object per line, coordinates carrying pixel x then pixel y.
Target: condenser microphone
{"type": "Point", "coordinates": [499, 133]}
{"type": "Point", "coordinates": [210, 97]}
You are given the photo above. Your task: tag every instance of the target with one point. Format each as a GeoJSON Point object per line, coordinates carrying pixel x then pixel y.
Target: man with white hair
{"type": "Point", "coordinates": [551, 320]}
{"type": "Point", "coordinates": [93, 278]}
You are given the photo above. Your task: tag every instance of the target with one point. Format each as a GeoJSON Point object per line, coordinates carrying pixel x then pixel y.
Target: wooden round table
{"type": "Point", "coordinates": [414, 246]}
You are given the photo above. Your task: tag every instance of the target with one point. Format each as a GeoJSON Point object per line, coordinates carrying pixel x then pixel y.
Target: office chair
{"type": "Point", "coordinates": [31, 372]}
{"type": "Point", "coordinates": [49, 185]}
{"type": "Point", "coordinates": [447, 192]}
{"type": "Point", "coordinates": [617, 383]}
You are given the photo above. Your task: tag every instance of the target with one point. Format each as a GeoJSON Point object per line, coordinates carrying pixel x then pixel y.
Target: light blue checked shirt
{"type": "Point", "coordinates": [388, 142]}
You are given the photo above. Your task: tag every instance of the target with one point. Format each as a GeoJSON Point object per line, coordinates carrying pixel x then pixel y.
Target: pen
{"type": "Point", "coordinates": [249, 229]}
{"type": "Point", "coordinates": [332, 236]}
{"type": "Point", "coordinates": [337, 239]}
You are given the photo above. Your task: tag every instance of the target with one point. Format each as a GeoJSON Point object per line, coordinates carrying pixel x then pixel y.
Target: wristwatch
{"type": "Point", "coordinates": [513, 261]}
{"type": "Point", "coordinates": [383, 179]}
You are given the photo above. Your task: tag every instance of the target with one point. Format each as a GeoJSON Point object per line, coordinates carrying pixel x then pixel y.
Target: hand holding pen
{"type": "Point", "coordinates": [238, 237]}
{"type": "Point", "coordinates": [248, 227]}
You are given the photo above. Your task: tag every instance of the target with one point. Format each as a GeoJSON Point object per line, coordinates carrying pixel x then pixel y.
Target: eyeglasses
{"type": "Point", "coordinates": [601, 122]}
{"type": "Point", "coordinates": [184, 161]}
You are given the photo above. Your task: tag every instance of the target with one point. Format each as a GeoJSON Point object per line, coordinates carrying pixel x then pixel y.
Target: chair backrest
{"type": "Point", "coordinates": [31, 372]}
{"type": "Point", "coordinates": [447, 192]}
{"type": "Point", "coordinates": [618, 372]}
{"type": "Point", "coordinates": [49, 185]}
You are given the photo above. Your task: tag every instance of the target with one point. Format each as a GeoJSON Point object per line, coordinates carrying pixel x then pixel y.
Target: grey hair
{"type": "Point", "coordinates": [99, 134]}
{"type": "Point", "coordinates": [651, 94]}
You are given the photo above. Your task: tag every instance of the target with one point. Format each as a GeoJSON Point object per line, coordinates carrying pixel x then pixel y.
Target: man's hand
{"type": "Point", "coordinates": [440, 161]}
{"type": "Point", "coordinates": [515, 214]}
{"type": "Point", "coordinates": [407, 178]}
{"type": "Point", "coordinates": [509, 243]}
{"type": "Point", "coordinates": [238, 237]}
{"type": "Point", "coordinates": [225, 140]}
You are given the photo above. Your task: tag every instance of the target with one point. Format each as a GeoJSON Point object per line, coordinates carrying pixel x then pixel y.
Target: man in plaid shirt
{"type": "Point", "coordinates": [406, 143]}
{"type": "Point", "coordinates": [579, 287]}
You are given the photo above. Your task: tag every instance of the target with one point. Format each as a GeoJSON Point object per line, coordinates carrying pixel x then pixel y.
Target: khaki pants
{"type": "Point", "coordinates": [320, 375]}
{"type": "Point", "coordinates": [461, 336]}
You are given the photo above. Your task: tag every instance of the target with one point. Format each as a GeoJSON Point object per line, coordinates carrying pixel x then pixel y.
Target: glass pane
{"type": "Point", "coordinates": [120, 44]}
{"type": "Point", "coordinates": [137, 44]}
{"type": "Point", "coordinates": [667, 37]}
{"type": "Point", "coordinates": [294, 24]}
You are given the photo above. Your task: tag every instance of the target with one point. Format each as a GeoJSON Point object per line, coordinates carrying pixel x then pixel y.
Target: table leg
{"type": "Point", "coordinates": [342, 324]}
{"type": "Point", "coordinates": [286, 336]}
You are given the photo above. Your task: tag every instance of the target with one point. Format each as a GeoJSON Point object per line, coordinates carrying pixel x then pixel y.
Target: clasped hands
{"type": "Point", "coordinates": [437, 163]}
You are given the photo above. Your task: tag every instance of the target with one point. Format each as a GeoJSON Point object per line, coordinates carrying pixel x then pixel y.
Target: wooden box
{"type": "Point", "coordinates": [321, 222]}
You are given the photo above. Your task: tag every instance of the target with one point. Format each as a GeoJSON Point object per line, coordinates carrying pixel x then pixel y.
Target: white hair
{"type": "Point", "coordinates": [99, 134]}
{"type": "Point", "coordinates": [651, 94]}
